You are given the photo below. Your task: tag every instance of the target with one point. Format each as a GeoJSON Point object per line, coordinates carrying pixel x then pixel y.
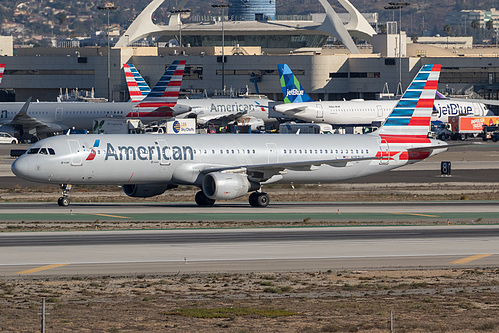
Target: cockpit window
{"type": "Point", "coordinates": [33, 151]}
{"type": "Point", "coordinates": [43, 151]}
{"type": "Point", "coordinates": [51, 151]}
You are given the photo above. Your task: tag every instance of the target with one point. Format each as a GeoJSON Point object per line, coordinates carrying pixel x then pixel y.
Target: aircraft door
{"type": "Point", "coordinates": [320, 111]}
{"type": "Point", "coordinates": [272, 152]}
{"type": "Point", "coordinates": [58, 114]}
{"type": "Point", "coordinates": [385, 153]}
{"type": "Point", "coordinates": [380, 111]}
{"type": "Point", "coordinates": [74, 146]}
{"type": "Point", "coordinates": [165, 153]}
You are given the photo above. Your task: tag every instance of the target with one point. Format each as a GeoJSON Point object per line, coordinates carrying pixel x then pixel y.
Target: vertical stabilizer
{"type": "Point", "coordinates": [137, 86]}
{"type": "Point", "coordinates": [2, 69]}
{"type": "Point", "coordinates": [412, 114]}
{"type": "Point", "coordinates": [292, 92]}
{"type": "Point", "coordinates": [165, 92]}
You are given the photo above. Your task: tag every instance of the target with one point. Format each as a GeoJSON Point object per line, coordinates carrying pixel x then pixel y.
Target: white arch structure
{"type": "Point", "coordinates": [332, 25]}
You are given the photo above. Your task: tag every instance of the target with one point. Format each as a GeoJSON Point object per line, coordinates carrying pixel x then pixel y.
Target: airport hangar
{"type": "Point", "coordinates": [253, 49]}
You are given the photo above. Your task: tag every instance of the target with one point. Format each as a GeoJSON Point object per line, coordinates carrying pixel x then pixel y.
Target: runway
{"type": "Point", "coordinates": [259, 250]}
{"type": "Point", "coordinates": [265, 250]}
{"type": "Point", "coordinates": [376, 212]}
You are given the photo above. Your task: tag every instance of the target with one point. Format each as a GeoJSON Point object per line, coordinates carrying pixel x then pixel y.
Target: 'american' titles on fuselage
{"type": "Point", "coordinates": [148, 153]}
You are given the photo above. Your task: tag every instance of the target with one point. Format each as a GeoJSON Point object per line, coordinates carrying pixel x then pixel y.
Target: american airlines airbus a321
{"type": "Point", "coordinates": [228, 166]}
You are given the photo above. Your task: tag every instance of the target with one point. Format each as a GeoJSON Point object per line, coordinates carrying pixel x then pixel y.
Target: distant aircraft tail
{"type": "Point", "coordinates": [291, 89]}
{"type": "Point", "coordinates": [137, 86]}
{"type": "Point", "coordinates": [2, 69]}
{"type": "Point", "coordinates": [411, 116]}
{"type": "Point", "coordinates": [165, 92]}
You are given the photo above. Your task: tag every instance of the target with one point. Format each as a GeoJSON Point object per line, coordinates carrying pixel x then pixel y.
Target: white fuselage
{"type": "Point", "coordinates": [212, 109]}
{"type": "Point", "coordinates": [365, 113]}
{"type": "Point", "coordinates": [182, 159]}
{"type": "Point", "coordinates": [50, 117]}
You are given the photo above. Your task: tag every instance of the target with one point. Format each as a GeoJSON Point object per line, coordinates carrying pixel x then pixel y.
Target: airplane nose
{"type": "Point", "coordinates": [20, 168]}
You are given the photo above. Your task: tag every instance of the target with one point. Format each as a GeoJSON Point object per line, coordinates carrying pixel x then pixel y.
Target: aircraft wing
{"type": "Point", "coordinates": [228, 117]}
{"type": "Point", "coordinates": [22, 118]}
{"type": "Point", "coordinates": [472, 100]}
{"type": "Point", "coordinates": [262, 172]}
{"type": "Point", "coordinates": [291, 111]}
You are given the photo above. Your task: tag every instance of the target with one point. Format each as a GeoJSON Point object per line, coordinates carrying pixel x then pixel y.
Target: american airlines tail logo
{"type": "Point", "coordinates": [92, 154]}
{"type": "Point", "coordinates": [294, 92]}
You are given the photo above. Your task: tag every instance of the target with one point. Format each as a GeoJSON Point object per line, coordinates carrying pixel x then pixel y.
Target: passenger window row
{"type": "Point", "coordinates": [325, 151]}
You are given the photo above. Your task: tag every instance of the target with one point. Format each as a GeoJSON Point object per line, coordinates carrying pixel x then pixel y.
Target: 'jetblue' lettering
{"type": "Point", "coordinates": [453, 109]}
{"type": "Point", "coordinates": [294, 92]}
{"type": "Point", "coordinates": [149, 153]}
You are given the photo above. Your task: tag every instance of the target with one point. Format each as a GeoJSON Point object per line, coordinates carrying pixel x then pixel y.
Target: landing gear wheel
{"type": "Point", "coordinates": [63, 201]}
{"type": "Point", "coordinates": [203, 200]}
{"type": "Point", "coordinates": [259, 199]}
{"type": "Point", "coordinates": [252, 199]}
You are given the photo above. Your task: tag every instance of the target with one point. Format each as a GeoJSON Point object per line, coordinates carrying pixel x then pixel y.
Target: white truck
{"type": "Point", "coordinates": [117, 126]}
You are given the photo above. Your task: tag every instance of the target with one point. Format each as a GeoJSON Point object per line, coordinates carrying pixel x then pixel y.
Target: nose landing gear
{"type": "Point", "coordinates": [64, 200]}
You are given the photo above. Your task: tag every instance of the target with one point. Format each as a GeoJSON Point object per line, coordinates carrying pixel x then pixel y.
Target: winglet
{"type": "Point", "coordinates": [292, 91]}
{"type": "Point", "coordinates": [2, 69]}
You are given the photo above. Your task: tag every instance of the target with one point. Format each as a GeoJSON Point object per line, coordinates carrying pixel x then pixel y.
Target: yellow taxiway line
{"type": "Point", "coordinates": [107, 215]}
{"type": "Point", "coordinates": [42, 268]}
{"type": "Point", "coordinates": [426, 215]}
{"type": "Point", "coordinates": [472, 258]}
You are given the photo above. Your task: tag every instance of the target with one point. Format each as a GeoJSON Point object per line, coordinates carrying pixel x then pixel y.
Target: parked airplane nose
{"type": "Point", "coordinates": [20, 168]}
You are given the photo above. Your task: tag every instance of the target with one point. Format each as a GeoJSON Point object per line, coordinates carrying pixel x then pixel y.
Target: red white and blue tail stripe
{"type": "Point", "coordinates": [165, 92]}
{"type": "Point", "coordinates": [2, 69]}
{"type": "Point", "coordinates": [137, 86]}
{"type": "Point", "coordinates": [412, 114]}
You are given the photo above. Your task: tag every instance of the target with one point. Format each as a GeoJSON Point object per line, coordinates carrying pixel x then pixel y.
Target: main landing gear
{"type": "Point", "coordinates": [203, 200]}
{"type": "Point", "coordinates": [259, 199]}
{"type": "Point", "coordinates": [256, 199]}
{"type": "Point", "coordinates": [64, 200]}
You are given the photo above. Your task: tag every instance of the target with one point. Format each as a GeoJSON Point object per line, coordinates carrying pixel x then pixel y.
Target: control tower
{"type": "Point", "coordinates": [252, 10]}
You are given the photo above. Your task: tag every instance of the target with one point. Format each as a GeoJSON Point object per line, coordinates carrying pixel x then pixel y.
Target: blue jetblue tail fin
{"type": "Point", "coordinates": [291, 89]}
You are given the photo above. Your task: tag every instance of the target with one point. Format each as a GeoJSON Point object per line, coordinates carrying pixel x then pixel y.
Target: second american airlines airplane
{"type": "Point", "coordinates": [248, 111]}
{"type": "Point", "coordinates": [297, 104]}
{"type": "Point", "coordinates": [228, 166]}
{"type": "Point", "coordinates": [41, 119]}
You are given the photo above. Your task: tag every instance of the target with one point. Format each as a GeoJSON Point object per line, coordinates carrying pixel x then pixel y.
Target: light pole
{"type": "Point", "coordinates": [108, 6]}
{"type": "Point", "coordinates": [223, 6]}
{"type": "Point", "coordinates": [399, 6]}
{"type": "Point", "coordinates": [180, 12]}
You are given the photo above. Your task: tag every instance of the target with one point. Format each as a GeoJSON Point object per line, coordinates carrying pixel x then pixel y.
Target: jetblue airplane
{"type": "Point", "coordinates": [297, 104]}
{"type": "Point", "coordinates": [41, 119]}
{"type": "Point", "coordinates": [228, 166]}
{"type": "Point", "coordinates": [247, 111]}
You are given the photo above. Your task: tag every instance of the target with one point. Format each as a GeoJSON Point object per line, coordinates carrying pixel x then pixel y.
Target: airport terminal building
{"type": "Point", "coordinates": [251, 54]}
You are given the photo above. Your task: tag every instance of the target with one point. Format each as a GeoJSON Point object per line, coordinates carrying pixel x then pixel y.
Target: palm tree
{"type": "Point", "coordinates": [475, 25]}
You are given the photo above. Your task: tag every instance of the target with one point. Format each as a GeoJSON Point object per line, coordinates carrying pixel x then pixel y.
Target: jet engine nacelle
{"type": "Point", "coordinates": [145, 190]}
{"type": "Point", "coordinates": [226, 186]}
